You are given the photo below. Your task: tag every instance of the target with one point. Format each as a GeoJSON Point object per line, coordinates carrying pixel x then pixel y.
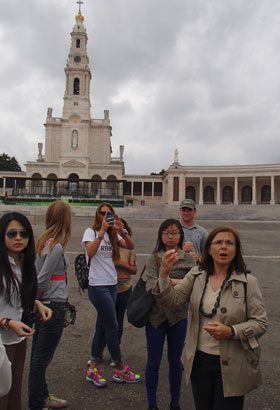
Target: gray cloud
{"type": "Point", "coordinates": [199, 76]}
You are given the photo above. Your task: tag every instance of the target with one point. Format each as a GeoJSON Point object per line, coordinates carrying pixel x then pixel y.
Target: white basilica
{"type": "Point", "coordinates": [77, 161]}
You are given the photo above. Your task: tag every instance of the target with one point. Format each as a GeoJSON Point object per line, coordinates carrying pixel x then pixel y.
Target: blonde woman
{"type": "Point", "coordinates": [51, 264]}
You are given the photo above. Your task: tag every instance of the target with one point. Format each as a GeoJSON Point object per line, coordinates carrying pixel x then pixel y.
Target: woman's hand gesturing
{"type": "Point", "coordinates": [169, 259]}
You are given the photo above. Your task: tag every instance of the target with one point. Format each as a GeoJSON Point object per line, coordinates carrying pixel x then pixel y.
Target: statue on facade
{"type": "Point", "coordinates": [121, 152]}
{"type": "Point", "coordinates": [40, 149]}
{"type": "Point", "coordinates": [74, 139]}
{"type": "Point", "coordinates": [49, 112]}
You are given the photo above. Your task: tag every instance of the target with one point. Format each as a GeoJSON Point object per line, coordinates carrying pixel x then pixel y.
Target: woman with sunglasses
{"type": "Point", "coordinates": [51, 264]}
{"type": "Point", "coordinates": [102, 242]}
{"type": "Point", "coordinates": [226, 319]}
{"type": "Point", "coordinates": [163, 322]}
{"type": "Point", "coordinates": [18, 287]}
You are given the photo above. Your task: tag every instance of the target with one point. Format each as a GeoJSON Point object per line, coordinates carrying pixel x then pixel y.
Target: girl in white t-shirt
{"type": "Point", "coordinates": [102, 243]}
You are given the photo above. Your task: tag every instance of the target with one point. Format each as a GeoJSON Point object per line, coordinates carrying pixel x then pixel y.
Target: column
{"type": "Point", "coordinates": [4, 186]}
{"type": "Point", "coordinates": [218, 197]}
{"type": "Point", "coordinates": [235, 200]}
{"type": "Point", "coordinates": [200, 201]}
{"type": "Point", "coordinates": [254, 201]}
{"type": "Point", "coordinates": [153, 189]}
{"type": "Point", "coordinates": [142, 189]}
{"type": "Point", "coordinates": [170, 189]}
{"type": "Point", "coordinates": [182, 187]}
{"type": "Point", "coordinates": [272, 198]}
{"type": "Point", "coordinates": [120, 190]}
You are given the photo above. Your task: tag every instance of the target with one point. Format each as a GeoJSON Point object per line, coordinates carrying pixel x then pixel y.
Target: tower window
{"type": "Point", "coordinates": [76, 86]}
{"type": "Point", "coordinates": [78, 43]}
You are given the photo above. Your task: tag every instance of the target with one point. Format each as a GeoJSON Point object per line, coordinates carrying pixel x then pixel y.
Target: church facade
{"type": "Point", "coordinates": [77, 159]}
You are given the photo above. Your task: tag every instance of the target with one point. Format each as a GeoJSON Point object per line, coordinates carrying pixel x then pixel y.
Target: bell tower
{"type": "Point", "coordinates": [77, 72]}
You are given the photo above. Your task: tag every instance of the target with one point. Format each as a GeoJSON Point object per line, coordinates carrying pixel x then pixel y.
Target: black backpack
{"type": "Point", "coordinates": [82, 270]}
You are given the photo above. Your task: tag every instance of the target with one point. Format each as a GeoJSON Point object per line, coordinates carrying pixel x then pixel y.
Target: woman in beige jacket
{"type": "Point", "coordinates": [226, 319]}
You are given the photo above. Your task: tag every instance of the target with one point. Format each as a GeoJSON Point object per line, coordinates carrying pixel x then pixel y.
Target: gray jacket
{"type": "Point", "coordinates": [161, 313]}
{"type": "Point", "coordinates": [239, 357]}
{"type": "Point", "coordinates": [47, 265]}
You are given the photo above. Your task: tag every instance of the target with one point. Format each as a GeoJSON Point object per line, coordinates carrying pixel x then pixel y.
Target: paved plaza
{"type": "Point", "coordinates": [260, 233]}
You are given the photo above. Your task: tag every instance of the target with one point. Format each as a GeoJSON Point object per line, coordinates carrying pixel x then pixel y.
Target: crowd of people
{"type": "Point", "coordinates": [205, 300]}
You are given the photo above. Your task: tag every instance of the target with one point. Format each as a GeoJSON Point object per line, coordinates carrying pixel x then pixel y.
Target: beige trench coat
{"type": "Point", "coordinates": [239, 357]}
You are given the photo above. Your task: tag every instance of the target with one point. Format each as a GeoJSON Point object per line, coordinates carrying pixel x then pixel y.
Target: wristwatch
{"type": "Point", "coordinates": [100, 237]}
{"type": "Point", "coordinates": [232, 332]}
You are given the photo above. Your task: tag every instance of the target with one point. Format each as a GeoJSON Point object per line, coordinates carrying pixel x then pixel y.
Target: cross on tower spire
{"type": "Point", "coordinates": [79, 3]}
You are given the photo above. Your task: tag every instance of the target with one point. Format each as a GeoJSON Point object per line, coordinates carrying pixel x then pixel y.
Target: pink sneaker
{"type": "Point", "coordinates": [94, 376]}
{"type": "Point", "coordinates": [126, 376]}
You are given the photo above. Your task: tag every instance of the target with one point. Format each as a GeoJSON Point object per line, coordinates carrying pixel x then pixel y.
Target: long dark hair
{"type": "Point", "coordinates": [237, 264]}
{"type": "Point", "coordinates": [111, 231]}
{"type": "Point", "coordinates": [165, 224]}
{"type": "Point", "coordinates": [8, 283]}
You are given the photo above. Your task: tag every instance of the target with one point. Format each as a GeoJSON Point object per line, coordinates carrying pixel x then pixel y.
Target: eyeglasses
{"type": "Point", "coordinates": [220, 242]}
{"type": "Point", "coordinates": [165, 233]}
{"type": "Point", "coordinates": [102, 213]}
{"type": "Point", "coordinates": [13, 233]}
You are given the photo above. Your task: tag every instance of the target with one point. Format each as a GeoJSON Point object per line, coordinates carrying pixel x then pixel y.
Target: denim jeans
{"type": "Point", "coordinates": [103, 299]}
{"type": "Point", "coordinates": [121, 303]}
{"type": "Point", "coordinates": [45, 342]}
{"type": "Point", "coordinates": [207, 385]}
{"type": "Point", "coordinates": [175, 342]}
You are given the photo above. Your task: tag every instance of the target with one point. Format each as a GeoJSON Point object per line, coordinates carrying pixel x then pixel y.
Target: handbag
{"type": "Point", "coordinates": [70, 314]}
{"type": "Point", "coordinates": [82, 270]}
{"type": "Point", "coordinates": [140, 302]}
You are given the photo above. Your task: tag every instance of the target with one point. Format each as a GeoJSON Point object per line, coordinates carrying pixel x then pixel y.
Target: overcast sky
{"type": "Point", "coordinates": [202, 76]}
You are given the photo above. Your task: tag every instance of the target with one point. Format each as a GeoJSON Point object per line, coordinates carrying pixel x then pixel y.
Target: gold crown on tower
{"type": "Point", "coordinates": [79, 18]}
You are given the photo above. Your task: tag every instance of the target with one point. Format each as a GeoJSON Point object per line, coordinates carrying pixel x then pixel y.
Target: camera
{"type": "Point", "coordinates": [110, 216]}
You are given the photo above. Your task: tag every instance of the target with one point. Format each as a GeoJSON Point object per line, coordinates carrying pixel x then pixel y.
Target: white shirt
{"type": "Point", "coordinates": [102, 271]}
{"type": "Point", "coordinates": [13, 311]}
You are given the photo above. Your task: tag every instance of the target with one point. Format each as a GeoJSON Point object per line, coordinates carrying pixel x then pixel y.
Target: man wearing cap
{"type": "Point", "coordinates": [195, 235]}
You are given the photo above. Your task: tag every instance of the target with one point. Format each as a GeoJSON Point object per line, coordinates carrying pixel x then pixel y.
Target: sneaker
{"type": "Point", "coordinates": [112, 363]}
{"type": "Point", "coordinates": [126, 376]}
{"type": "Point", "coordinates": [94, 376]}
{"type": "Point", "coordinates": [54, 402]}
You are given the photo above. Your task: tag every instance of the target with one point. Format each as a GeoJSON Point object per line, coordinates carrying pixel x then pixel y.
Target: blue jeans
{"type": "Point", "coordinates": [207, 385]}
{"type": "Point", "coordinates": [103, 299]}
{"type": "Point", "coordinates": [45, 342]}
{"type": "Point", "coordinates": [121, 303]}
{"type": "Point", "coordinates": [175, 343]}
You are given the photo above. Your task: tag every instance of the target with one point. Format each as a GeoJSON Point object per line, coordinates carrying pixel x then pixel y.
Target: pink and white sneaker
{"type": "Point", "coordinates": [94, 376]}
{"type": "Point", "coordinates": [126, 376]}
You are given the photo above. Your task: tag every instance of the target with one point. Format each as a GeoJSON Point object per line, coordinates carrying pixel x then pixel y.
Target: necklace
{"type": "Point", "coordinates": [218, 300]}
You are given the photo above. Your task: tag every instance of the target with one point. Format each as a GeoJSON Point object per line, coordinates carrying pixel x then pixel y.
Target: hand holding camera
{"type": "Point", "coordinates": [110, 218]}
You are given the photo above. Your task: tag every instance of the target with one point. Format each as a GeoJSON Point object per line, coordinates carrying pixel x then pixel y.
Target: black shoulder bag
{"type": "Point", "coordinates": [140, 302]}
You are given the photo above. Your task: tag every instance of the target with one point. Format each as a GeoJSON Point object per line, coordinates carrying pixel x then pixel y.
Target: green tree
{"type": "Point", "coordinates": [8, 163]}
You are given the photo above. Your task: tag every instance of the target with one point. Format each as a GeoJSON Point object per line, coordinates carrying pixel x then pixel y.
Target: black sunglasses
{"type": "Point", "coordinates": [13, 233]}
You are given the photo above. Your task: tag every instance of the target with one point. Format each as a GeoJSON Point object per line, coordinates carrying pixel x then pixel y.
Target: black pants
{"type": "Point", "coordinates": [207, 385]}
